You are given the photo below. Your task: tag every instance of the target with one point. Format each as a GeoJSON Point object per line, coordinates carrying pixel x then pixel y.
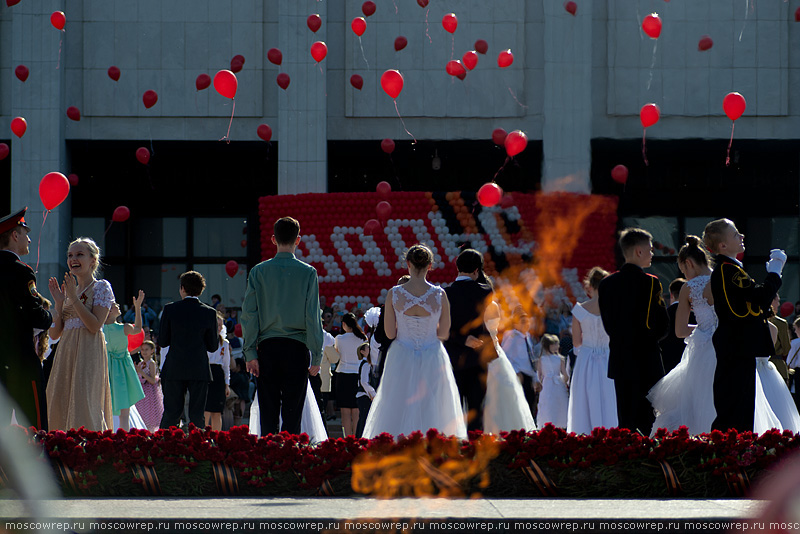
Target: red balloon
{"type": "Point", "coordinates": [454, 68]}
{"type": "Point", "coordinates": [149, 98]}
{"type": "Point", "coordinates": [571, 7]}
{"type": "Point", "coordinates": [368, 8]}
{"type": "Point", "coordinates": [387, 145]}
{"type": "Point", "coordinates": [384, 188]}
{"type": "Point", "coordinates": [232, 268]}
{"type": "Point", "coordinates": [470, 59]}
{"type": "Point", "coordinates": [237, 330]}
{"type": "Point", "coordinates": [450, 22]}
{"type": "Point", "coordinates": [462, 75]}
{"type": "Point", "coordinates": [499, 136]}
{"type": "Point", "coordinates": [734, 105]}
{"type": "Point", "coordinates": [515, 142]}
{"type": "Point", "coordinates": [740, 256]}
{"type": "Point", "coordinates": [18, 126]}
{"type": "Point", "coordinates": [225, 83]}
{"type": "Point", "coordinates": [202, 82]}
{"type": "Point", "coordinates": [481, 46]}
{"type": "Point", "coordinates": [392, 83]}
{"type": "Point", "coordinates": [113, 73]}
{"type": "Point", "coordinates": [243, 243]}
{"type": "Point", "coordinates": [705, 43]}
{"type": "Point", "coordinates": [318, 51]}
{"type": "Point", "coordinates": [58, 20]}
{"type": "Point", "coordinates": [649, 114]}
{"type": "Point", "coordinates": [652, 25]}
{"type": "Point", "coordinates": [264, 132]}
{"type": "Point", "coordinates": [400, 43]}
{"type": "Point", "coordinates": [21, 72]}
{"type": "Point", "coordinates": [507, 201]}
{"type": "Point", "coordinates": [359, 26]}
{"type": "Point", "coordinates": [372, 227]}
{"type": "Point", "coordinates": [490, 194]}
{"type": "Point", "coordinates": [797, 15]}
{"type": "Point", "coordinates": [283, 80]}
{"type": "Point", "coordinates": [314, 22]}
{"type": "Point", "coordinates": [357, 81]}
{"type": "Point", "coordinates": [73, 180]}
{"type": "Point", "coordinates": [238, 58]}
{"type": "Point", "coordinates": [786, 309]}
{"type": "Point", "coordinates": [135, 341]}
{"type": "Point", "coordinates": [143, 155]}
{"type": "Point", "coordinates": [53, 189]}
{"type": "Point", "coordinates": [10, 3]}
{"type": "Point", "coordinates": [274, 56]}
{"type": "Point", "coordinates": [620, 174]}
{"type": "Point", "coordinates": [4, 151]}
{"type": "Point", "coordinates": [74, 113]}
{"type": "Point", "coordinates": [423, 3]}
{"type": "Point", "coordinates": [505, 59]}
{"type": "Point", "coordinates": [236, 66]}
{"type": "Point", "coordinates": [121, 214]}
{"type": "Point", "coordinates": [383, 209]}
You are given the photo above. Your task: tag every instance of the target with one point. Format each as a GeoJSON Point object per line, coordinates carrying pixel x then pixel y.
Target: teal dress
{"type": "Point", "coordinates": [126, 390]}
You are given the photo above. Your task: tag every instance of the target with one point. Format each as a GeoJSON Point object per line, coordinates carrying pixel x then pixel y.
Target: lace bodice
{"type": "Point", "coordinates": [594, 335]}
{"type": "Point", "coordinates": [417, 332]}
{"type": "Point", "coordinates": [703, 311]}
{"type": "Point", "coordinates": [98, 294]}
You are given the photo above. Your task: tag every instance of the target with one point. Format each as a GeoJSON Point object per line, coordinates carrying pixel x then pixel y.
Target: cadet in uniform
{"type": "Point", "coordinates": [635, 318]}
{"type": "Point", "coordinates": [742, 334]}
{"type": "Point", "coordinates": [20, 312]}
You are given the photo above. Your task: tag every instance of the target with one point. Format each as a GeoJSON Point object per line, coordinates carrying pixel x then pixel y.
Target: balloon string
{"type": "Point", "coordinates": [39, 242]}
{"type": "Point", "coordinates": [227, 137]}
{"type": "Point", "coordinates": [404, 123]}
{"type": "Point", "coordinates": [508, 158]}
{"type": "Point", "coordinates": [452, 45]}
{"type": "Point", "coordinates": [362, 52]}
{"type": "Point", "coordinates": [427, 26]}
{"type": "Point", "coordinates": [730, 143]}
{"type": "Point", "coordinates": [515, 98]}
{"type": "Point", "coordinates": [395, 7]}
{"type": "Point", "coordinates": [108, 228]}
{"type": "Point", "coordinates": [59, 50]}
{"type": "Point", "coordinates": [644, 147]}
{"type": "Point", "coordinates": [652, 64]}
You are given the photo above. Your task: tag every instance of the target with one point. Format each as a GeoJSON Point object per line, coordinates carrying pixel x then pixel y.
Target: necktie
{"type": "Point", "coordinates": [530, 351]}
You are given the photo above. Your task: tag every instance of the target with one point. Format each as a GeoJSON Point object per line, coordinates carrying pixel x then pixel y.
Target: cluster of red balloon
{"type": "Point", "coordinates": [515, 143]}
{"type": "Point", "coordinates": [275, 56]}
{"type": "Point", "coordinates": [237, 63]}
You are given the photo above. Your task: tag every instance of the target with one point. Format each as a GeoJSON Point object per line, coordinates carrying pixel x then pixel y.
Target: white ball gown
{"type": "Point", "coordinates": [685, 396]}
{"type": "Point", "coordinates": [554, 398]}
{"type": "Point", "coordinates": [777, 395]}
{"type": "Point", "coordinates": [592, 397]}
{"type": "Point", "coordinates": [505, 406]}
{"type": "Point", "coordinates": [311, 422]}
{"type": "Point", "coordinates": [418, 390]}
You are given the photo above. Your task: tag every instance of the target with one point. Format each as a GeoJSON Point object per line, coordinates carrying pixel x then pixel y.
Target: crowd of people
{"type": "Point", "coordinates": [430, 357]}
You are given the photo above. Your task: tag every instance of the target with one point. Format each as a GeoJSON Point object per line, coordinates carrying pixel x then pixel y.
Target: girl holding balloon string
{"type": "Point", "coordinates": [78, 392]}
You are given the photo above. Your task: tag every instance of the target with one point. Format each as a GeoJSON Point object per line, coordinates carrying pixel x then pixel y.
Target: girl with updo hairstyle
{"type": "Point", "coordinates": [419, 257]}
{"type": "Point", "coordinates": [78, 392]}
{"type": "Point", "coordinates": [593, 398]}
{"type": "Point", "coordinates": [693, 249]}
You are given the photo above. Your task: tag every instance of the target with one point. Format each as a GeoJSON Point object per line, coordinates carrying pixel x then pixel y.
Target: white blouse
{"type": "Point", "coordinates": [347, 345]}
{"type": "Point", "coordinates": [222, 356]}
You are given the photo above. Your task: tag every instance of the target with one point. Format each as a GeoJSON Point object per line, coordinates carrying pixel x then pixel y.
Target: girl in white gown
{"type": "Point", "coordinates": [776, 390]}
{"type": "Point", "coordinates": [592, 397]}
{"type": "Point", "coordinates": [311, 422]}
{"type": "Point", "coordinates": [554, 398]}
{"type": "Point", "coordinates": [685, 396]}
{"type": "Point", "coordinates": [505, 406]}
{"type": "Point", "coordinates": [418, 390]}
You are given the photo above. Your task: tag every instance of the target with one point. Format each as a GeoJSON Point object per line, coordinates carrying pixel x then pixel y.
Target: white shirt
{"type": "Point", "coordinates": [222, 356]}
{"type": "Point", "coordinates": [364, 379]}
{"type": "Point", "coordinates": [514, 347]}
{"type": "Point", "coordinates": [347, 345]}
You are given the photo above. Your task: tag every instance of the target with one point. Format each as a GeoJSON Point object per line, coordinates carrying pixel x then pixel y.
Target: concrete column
{"type": "Point", "coordinates": [567, 128]}
{"type": "Point", "coordinates": [40, 100]}
{"type": "Point", "coordinates": [302, 114]}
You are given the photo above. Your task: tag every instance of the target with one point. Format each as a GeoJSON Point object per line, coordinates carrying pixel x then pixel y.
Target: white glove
{"type": "Point", "coordinates": [775, 266]}
{"type": "Point", "coordinates": [777, 254]}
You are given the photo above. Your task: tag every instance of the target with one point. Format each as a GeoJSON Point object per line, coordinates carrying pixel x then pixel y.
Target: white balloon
{"type": "Point", "coordinates": [359, 271]}
{"type": "Point", "coordinates": [341, 278]}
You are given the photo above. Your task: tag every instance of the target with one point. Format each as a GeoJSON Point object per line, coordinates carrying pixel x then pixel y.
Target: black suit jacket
{"type": "Point", "coordinates": [741, 307]}
{"type": "Point", "coordinates": [20, 312]}
{"type": "Point", "coordinates": [634, 316]}
{"type": "Point", "coordinates": [672, 346]}
{"type": "Point", "coordinates": [467, 304]}
{"type": "Point", "coordinates": [189, 329]}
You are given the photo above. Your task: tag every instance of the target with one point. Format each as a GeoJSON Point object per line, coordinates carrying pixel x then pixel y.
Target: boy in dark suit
{"type": "Point", "coordinates": [742, 334]}
{"type": "Point", "coordinates": [672, 346]}
{"type": "Point", "coordinates": [189, 329]}
{"type": "Point", "coordinates": [21, 310]}
{"type": "Point", "coordinates": [634, 316]}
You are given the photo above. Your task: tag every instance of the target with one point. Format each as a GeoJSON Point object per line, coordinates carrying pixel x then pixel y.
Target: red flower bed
{"type": "Point", "coordinates": [608, 463]}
